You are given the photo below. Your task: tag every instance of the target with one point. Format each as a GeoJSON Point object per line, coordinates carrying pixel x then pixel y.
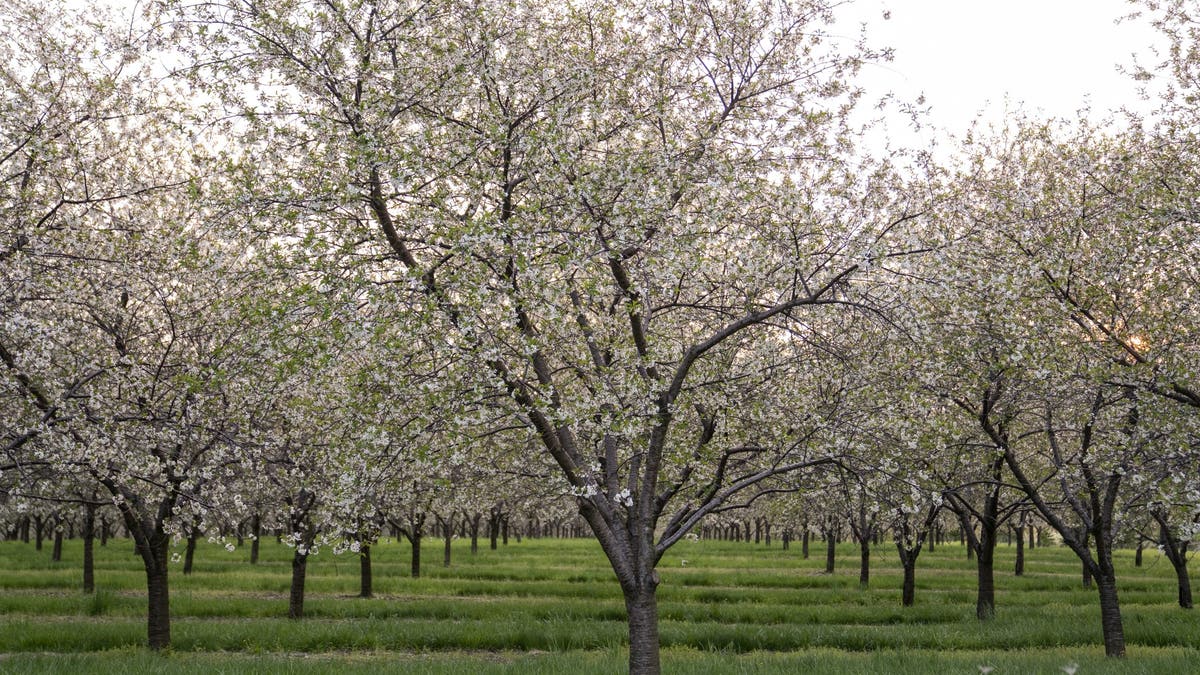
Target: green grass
{"type": "Point", "coordinates": [553, 606]}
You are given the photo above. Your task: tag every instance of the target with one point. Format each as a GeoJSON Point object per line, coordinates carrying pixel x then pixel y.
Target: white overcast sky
{"type": "Point", "coordinates": [971, 56]}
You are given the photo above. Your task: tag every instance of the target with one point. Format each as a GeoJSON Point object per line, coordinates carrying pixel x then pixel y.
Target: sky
{"type": "Point", "coordinates": [967, 56]}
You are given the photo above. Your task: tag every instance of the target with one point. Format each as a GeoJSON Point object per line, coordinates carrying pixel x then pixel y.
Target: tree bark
{"type": "Point", "coordinates": [908, 591]}
{"type": "Point", "coordinates": [864, 566]}
{"type": "Point", "coordinates": [830, 551]}
{"type": "Point", "coordinates": [89, 557]}
{"type": "Point", "coordinates": [189, 553]}
{"type": "Point", "coordinates": [158, 616]}
{"type": "Point", "coordinates": [256, 532]}
{"type": "Point", "coordinates": [299, 572]}
{"type": "Point", "coordinates": [642, 607]}
{"type": "Point", "coordinates": [1019, 567]}
{"type": "Point", "coordinates": [365, 589]}
{"type": "Point", "coordinates": [415, 540]}
{"type": "Point", "coordinates": [1110, 616]}
{"type": "Point", "coordinates": [56, 552]}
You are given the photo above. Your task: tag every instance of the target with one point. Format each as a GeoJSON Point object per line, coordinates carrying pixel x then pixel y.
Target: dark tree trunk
{"type": "Point", "coordinates": [786, 539]}
{"type": "Point", "coordinates": [504, 530]}
{"type": "Point", "coordinates": [256, 534]}
{"type": "Point", "coordinates": [364, 571]}
{"type": "Point", "coordinates": [642, 607]}
{"type": "Point", "coordinates": [1176, 551]}
{"type": "Point", "coordinates": [804, 544]}
{"type": "Point", "coordinates": [448, 535]}
{"type": "Point", "coordinates": [1110, 616]}
{"type": "Point", "coordinates": [299, 572]}
{"type": "Point", "coordinates": [56, 553]}
{"type": "Point", "coordinates": [494, 528]}
{"type": "Point", "coordinates": [103, 531]}
{"type": "Point", "coordinates": [89, 557]}
{"type": "Point", "coordinates": [472, 520]}
{"type": "Point", "coordinates": [1185, 585]}
{"type": "Point", "coordinates": [39, 532]}
{"type": "Point", "coordinates": [864, 566]}
{"type": "Point", "coordinates": [830, 551]}
{"type": "Point", "coordinates": [1019, 566]}
{"type": "Point", "coordinates": [152, 547]}
{"type": "Point", "coordinates": [909, 589]}
{"type": "Point", "coordinates": [985, 598]}
{"type": "Point", "coordinates": [415, 540]}
{"type": "Point", "coordinates": [1137, 555]}
{"type": "Point", "coordinates": [189, 553]}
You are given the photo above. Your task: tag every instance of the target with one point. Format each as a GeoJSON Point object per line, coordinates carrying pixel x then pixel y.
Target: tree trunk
{"type": "Point", "coordinates": [364, 571]}
{"type": "Point", "coordinates": [415, 539]}
{"type": "Point", "coordinates": [299, 572]}
{"type": "Point", "coordinates": [864, 567]}
{"type": "Point", "coordinates": [908, 591]}
{"type": "Point", "coordinates": [449, 532]}
{"type": "Point", "coordinates": [642, 607]}
{"type": "Point", "coordinates": [56, 552]}
{"type": "Point", "coordinates": [89, 558]}
{"type": "Point", "coordinates": [830, 551]}
{"type": "Point", "coordinates": [1019, 568]}
{"type": "Point", "coordinates": [1110, 616]}
{"type": "Point", "coordinates": [1137, 555]}
{"type": "Point", "coordinates": [1176, 550]}
{"type": "Point", "coordinates": [189, 553]}
{"type": "Point", "coordinates": [1185, 584]}
{"type": "Point", "coordinates": [474, 527]}
{"type": "Point", "coordinates": [804, 544]}
{"type": "Point", "coordinates": [256, 532]}
{"type": "Point", "coordinates": [103, 531]}
{"type": "Point", "coordinates": [985, 599]}
{"type": "Point", "coordinates": [153, 550]}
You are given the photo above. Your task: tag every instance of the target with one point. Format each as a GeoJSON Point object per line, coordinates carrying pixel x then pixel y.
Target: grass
{"type": "Point", "coordinates": [553, 606]}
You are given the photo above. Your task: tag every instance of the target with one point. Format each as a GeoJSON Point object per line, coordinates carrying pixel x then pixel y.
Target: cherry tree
{"type": "Point", "coordinates": [610, 209]}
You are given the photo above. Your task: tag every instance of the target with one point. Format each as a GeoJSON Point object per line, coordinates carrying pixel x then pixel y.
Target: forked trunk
{"type": "Point", "coordinates": [299, 572]}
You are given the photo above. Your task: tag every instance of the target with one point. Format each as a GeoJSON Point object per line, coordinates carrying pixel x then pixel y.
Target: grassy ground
{"type": "Point", "coordinates": [553, 606]}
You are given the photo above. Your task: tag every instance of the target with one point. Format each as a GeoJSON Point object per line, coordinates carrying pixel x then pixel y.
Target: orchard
{"type": "Point", "coordinates": [339, 278]}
